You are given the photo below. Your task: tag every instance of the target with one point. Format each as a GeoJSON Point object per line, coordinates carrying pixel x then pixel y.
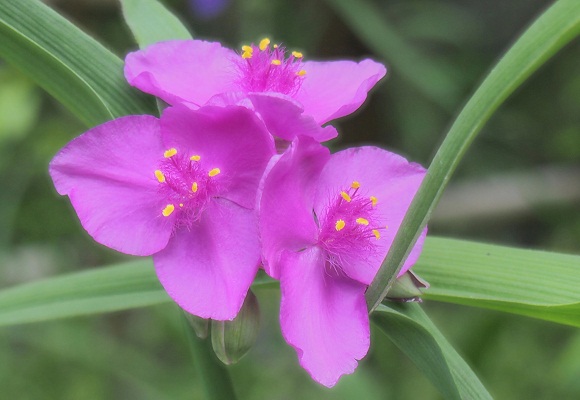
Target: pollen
{"type": "Point", "coordinates": [362, 221]}
{"type": "Point", "coordinates": [374, 200]}
{"type": "Point", "coordinates": [301, 73]}
{"type": "Point", "coordinates": [339, 225]}
{"type": "Point", "coordinates": [276, 62]}
{"type": "Point", "coordinates": [168, 210]}
{"type": "Point", "coordinates": [376, 233]}
{"type": "Point", "coordinates": [264, 43]}
{"type": "Point", "coordinates": [355, 184]}
{"type": "Point", "coordinates": [170, 153]}
{"type": "Point", "coordinates": [194, 187]}
{"type": "Point", "coordinates": [159, 175]}
{"type": "Point", "coordinates": [195, 158]}
{"type": "Point", "coordinates": [345, 196]}
{"type": "Point", "coordinates": [214, 172]}
{"type": "Point", "coordinates": [247, 51]}
{"type": "Point", "coordinates": [297, 54]}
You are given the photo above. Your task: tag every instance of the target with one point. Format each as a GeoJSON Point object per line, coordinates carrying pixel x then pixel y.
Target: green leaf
{"type": "Point", "coordinates": [74, 68]}
{"type": "Point", "coordinates": [151, 22]}
{"type": "Point", "coordinates": [434, 78]}
{"type": "Point", "coordinates": [550, 32]}
{"type": "Point", "coordinates": [412, 331]}
{"type": "Point", "coordinates": [533, 283]}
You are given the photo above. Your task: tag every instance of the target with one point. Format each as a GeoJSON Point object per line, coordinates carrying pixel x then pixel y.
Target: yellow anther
{"type": "Point", "coordinates": [275, 46]}
{"type": "Point", "coordinates": [345, 196]}
{"type": "Point", "coordinates": [339, 225]}
{"type": "Point", "coordinates": [301, 73]}
{"type": "Point", "coordinates": [362, 221]}
{"type": "Point", "coordinates": [264, 43]}
{"type": "Point", "coordinates": [276, 62]}
{"type": "Point", "coordinates": [297, 54]}
{"type": "Point", "coordinates": [170, 153]}
{"type": "Point", "coordinates": [214, 172]}
{"type": "Point", "coordinates": [374, 200]}
{"type": "Point", "coordinates": [355, 184]}
{"type": "Point", "coordinates": [247, 54]}
{"type": "Point", "coordinates": [247, 49]}
{"type": "Point", "coordinates": [194, 187]}
{"type": "Point", "coordinates": [195, 158]}
{"type": "Point", "coordinates": [377, 234]}
{"type": "Point", "coordinates": [168, 210]}
{"type": "Point", "coordinates": [159, 175]}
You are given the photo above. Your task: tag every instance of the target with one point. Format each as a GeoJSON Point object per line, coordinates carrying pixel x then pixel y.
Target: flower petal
{"type": "Point", "coordinates": [333, 89]}
{"type": "Point", "coordinates": [231, 138]}
{"type": "Point", "coordinates": [385, 175]}
{"type": "Point", "coordinates": [208, 268]}
{"type": "Point", "coordinates": [112, 187]}
{"type": "Point", "coordinates": [285, 118]}
{"type": "Point", "coordinates": [182, 70]}
{"type": "Point", "coordinates": [286, 220]}
{"type": "Point", "coordinates": [323, 316]}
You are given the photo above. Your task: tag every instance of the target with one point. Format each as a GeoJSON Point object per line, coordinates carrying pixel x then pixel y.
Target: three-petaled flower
{"type": "Point", "coordinates": [181, 188]}
{"type": "Point", "coordinates": [292, 96]}
{"type": "Point", "coordinates": [326, 224]}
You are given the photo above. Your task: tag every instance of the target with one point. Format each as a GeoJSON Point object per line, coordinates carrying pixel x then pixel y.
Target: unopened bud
{"type": "Point", "coordinates": [406, 288]}
{"type": "Point", "coordinates": [231, 340]}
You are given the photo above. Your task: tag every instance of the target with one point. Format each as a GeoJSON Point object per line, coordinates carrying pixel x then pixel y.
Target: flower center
{"type": "Point", "coordinates": [186, 185]}
{"type": "Point", "coordinates": [351, 224]}
{"type": "Point", "coordinates": [267, 69]}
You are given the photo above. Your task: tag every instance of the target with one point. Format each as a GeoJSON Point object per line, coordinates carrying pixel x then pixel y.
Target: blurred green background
{"type": "Point", "coordinates": [518, 185]}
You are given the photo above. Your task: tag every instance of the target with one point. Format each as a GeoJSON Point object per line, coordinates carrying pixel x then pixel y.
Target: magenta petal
{"type": "Point", "coordinates": [323, 316]}
{"type": "Point", "coordinates": [112, 187]}
{"type": "Point", "coordinates": [285, 118]}
{"type": "Point", "coordinates": [385, 175]}
{"type": "Point", "coordinates": [182, 70]}
{"type": "Point", "coordinates": [286, 220]}
{"type": "Point", "coordinates": [334, 89]}
{"type": "Point", "coordinates": [208, 268]}
{"type": "Point", "coordinates": [231, 138]}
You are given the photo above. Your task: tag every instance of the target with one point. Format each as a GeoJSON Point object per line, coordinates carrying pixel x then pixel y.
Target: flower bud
{"type": "Point", "coordinates": [406, 288]}
{"type": "Point", "coordinates": [231, 340]}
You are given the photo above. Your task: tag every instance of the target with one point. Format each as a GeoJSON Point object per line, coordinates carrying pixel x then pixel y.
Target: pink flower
{"type": "Point", "coordinates": [292, 96]}
{"type": "Point", "coordinates": [326, 223]}
{"type": "Point", "coordinates": [181, 188]}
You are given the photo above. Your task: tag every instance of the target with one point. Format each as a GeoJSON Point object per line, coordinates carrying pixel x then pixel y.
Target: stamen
{"type": "Point", "coordinates": [276, 62]}
{"type": "Point", "coordinates": [374, 200]}
{"type": "Point", "coordinates": [362, 221]}
{"type": "Point", "coordinates": [214, 172]}
{"type": "Point", "coordinates": [195, 158]}
{"type": "Point", "coordinates": [275, 46]}
{"type": "Point", "coordinates": [345, 196]}
{"type": "Point", "coordinates": [377, 234]}
{"type": "Point", "coordinates": [194, 187]}
{"type": "Point", "coordinates": [168, 210]}
{"type": "Point", "coordinates": [339, 225]}
{"type": "Point", "coordinates": [297, 54]}
{"type": "Point", "coordinates": [301, 73]}
{"type": "Point", "coordinates": [264, 43]}
{"type": "Point", "coordinates": [180, 204]}
{"type": "Point", "coordinates": [247, 51]}
{"type": "Point", "coordinates": [159, 175]}
{"type": "Point", "coordinates": [170, 153]}
{"type": "Point", "coordinates": [355, 184]}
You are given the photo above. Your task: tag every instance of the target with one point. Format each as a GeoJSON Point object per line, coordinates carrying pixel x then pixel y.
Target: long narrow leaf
{"type": "Point", "coordinates": [150, 22]}
{"type": "Point", "coordinates": [74, 68]}
{"type": "Point", "coordinates": [414, 333]}
{"type": "Point", "coordinates": [534, 283]}
{"type": "Point", "coordinates": [552, 30]}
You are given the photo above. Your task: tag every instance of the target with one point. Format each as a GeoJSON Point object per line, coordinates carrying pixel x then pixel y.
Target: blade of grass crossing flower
{"type": "Point", "coordinates": [74, 68]}
{"type": "Point", "coordinates": [214, 375]}
{"type": "Point", "coordinates": [407, 325]}
{"type": "Point", "coordinates": [151, 22]}
{"type": "Point", "coordinates": [432, 77]}
{"type": "Point", "coordinates": [557, 26]}
{"type": "Point", "coordinates": [537, 284]}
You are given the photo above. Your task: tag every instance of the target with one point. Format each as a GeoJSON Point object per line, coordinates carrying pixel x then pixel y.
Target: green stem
{"type": "Point", "coordinates": [214, 375]}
